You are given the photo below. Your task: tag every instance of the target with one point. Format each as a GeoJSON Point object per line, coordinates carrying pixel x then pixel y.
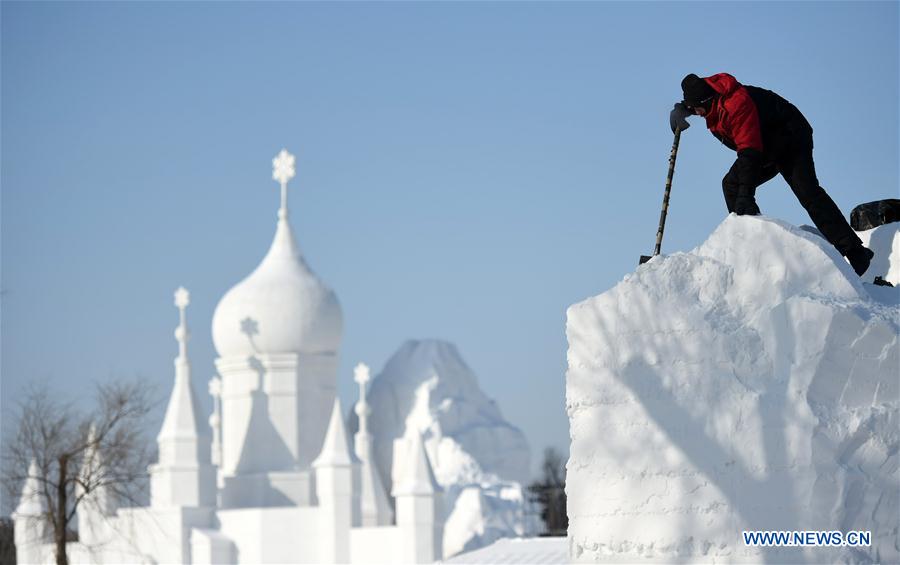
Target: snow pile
{"type": "Point", "coordinates": [480, 460]}
{"type": "Point", "coordinates": [751, 384]}
{"type": "Point", "coordinates": [885, 242]}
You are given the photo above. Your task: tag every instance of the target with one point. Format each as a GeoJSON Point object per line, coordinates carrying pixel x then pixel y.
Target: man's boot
{"type": "Point", "coordinates": [859, 258]}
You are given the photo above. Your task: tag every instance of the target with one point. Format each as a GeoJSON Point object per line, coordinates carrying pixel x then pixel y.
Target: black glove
{"type": "Point", "coordinates": [677, 117]}
{"type": "Point", "coordinates": [746, 206]}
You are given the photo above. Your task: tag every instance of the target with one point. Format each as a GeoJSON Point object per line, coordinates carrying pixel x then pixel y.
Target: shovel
{"type": "Point", "coordinates": [665, 204]}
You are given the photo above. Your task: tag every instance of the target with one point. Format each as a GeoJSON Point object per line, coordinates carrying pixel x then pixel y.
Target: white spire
{"type": "Point", "coordinates": [31, 527]}
{"type": "Point", "coordinates": [184, 475]}
{"type": "Point", "coordinates": [418, 498]}
{"type": "Point", "coordinates": [31, 503]}
{"type": "Point", "coordinates": [375, 509]}
{"type": "Point", "coordinates": [335, 451]}
{"type": "Point", "coordinates": [101, 498]}
{"type": "Point", "coordinates": [181, 423]}
{"type": "Point", "coordinates": [100, 503]}
{"type": "Point", "coordinates": [337, 491]}
{"type": "Point", "coordinates": [418, 476]}
{"type": "Point", "coordinates": [283, 171]}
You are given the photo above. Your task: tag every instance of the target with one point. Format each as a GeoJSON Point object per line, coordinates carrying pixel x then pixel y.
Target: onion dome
{"type": "Point", "coordinates": [282, 306]}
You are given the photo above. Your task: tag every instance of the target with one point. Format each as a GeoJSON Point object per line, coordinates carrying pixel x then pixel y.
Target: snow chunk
{"type": "Point", "coordinates": [885, 242]}
{"type": "Point", "coordinates": [751, 384]}
{"type": "Point", "coordinates": [479, 459]}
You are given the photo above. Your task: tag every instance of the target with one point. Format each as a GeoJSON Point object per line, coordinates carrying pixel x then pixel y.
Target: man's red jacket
{"type": "Point", "coordinates": [733, 117]}
{"type": "Point", "coordinates": [760, 125]}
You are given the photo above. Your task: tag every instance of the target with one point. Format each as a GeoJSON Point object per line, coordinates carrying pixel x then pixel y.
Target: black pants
{"type": "Point", "coordinates": [793, 159]}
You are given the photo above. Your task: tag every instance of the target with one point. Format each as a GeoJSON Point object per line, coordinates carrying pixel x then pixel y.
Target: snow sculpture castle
{"type": "Point", "coordinates": [272, 478]}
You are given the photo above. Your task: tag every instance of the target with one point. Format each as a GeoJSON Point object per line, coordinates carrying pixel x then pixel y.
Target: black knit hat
{"type": "Point", "coordinates": [697, 92]}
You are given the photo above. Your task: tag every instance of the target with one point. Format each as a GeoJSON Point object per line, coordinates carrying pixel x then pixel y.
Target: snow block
{"type": "Point", "coordinates": [751, 384]}
{"type": "Point", "coordinates": [885, 242]}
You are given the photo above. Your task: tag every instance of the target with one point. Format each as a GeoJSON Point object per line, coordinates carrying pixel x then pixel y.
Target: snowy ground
{"type": "Point", "coordinates": [518, 550]}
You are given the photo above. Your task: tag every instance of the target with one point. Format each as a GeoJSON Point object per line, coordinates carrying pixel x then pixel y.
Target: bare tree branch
{"type": "Point", "coordinates": [78, 454]}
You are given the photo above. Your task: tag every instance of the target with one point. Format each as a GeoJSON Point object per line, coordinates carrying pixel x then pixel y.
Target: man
{"type": "Point", "coordinates": [770, 136]}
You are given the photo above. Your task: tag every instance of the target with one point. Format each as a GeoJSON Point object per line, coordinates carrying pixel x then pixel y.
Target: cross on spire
{"type": "Point", "coordinates": [361, 375]}
{"type": "Point", "coordinates": [182, 298]}
{"type": "Point", "coordinates": [283, 171]}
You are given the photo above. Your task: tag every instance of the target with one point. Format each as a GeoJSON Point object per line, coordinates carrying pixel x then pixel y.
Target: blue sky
{"type": "Point", "coordinates": [465, 171]}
